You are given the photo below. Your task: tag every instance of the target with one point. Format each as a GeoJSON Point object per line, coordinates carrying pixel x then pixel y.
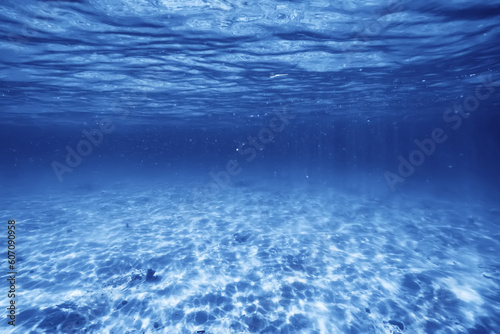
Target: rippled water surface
{"type": "Point", "coordinates": [215, 59]}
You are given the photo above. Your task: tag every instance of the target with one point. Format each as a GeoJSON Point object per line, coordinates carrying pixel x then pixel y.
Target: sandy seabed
{"type": "Point", "coordinates": [131, 259]}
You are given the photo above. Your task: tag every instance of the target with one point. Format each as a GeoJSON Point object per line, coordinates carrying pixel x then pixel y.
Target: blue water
{"type": "Point", "coordinates": [251, 167]}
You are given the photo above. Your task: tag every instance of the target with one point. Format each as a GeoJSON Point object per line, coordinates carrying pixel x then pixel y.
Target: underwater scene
{"type": "Point", "coordinates": [234, 166]}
